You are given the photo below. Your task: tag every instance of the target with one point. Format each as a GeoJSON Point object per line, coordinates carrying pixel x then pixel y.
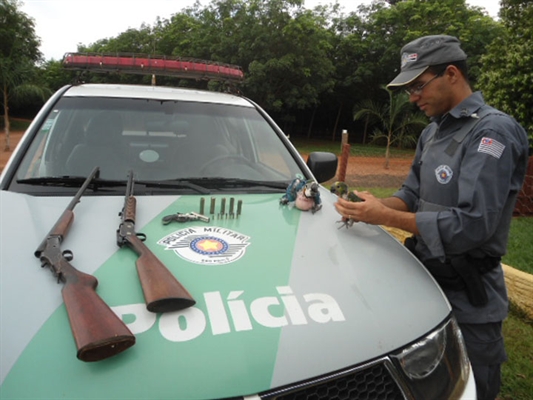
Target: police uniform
{"type": "Point", "coordinates": [468, 169]}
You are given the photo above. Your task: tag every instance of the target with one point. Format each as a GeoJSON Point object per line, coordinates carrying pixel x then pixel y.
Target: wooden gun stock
{"type": "Point", "coordinates": [98, 332]}
{"type": "Point", "coordinates": [162, 291]}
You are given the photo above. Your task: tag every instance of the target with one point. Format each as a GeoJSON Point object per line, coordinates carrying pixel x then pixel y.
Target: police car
{"type": "Point", "coordinates": [281, 303]}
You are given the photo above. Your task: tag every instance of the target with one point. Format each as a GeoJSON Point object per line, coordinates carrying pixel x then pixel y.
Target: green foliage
{"type": "Point", "coordinates": [385, 29]}
{"type": "Point", "coordinates": [296, 59]}
{"type": "Point", "coordinates": [19, 50]}
{"type": "Point", "coordinates": [310, 67]}
{"type": "Point", "coordinates": [394, 121]}
{"type": "Point", "coordinates": [18, 47]}
{"type": "Point", "coordinates": [507, 83]}
{"type": "Point", "coordinates": [517, 372]}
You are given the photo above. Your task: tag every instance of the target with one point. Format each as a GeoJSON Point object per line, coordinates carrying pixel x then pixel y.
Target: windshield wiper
{"type": "Point", "coordinates": [175, 184]}
{"type": "Point", "coordinates": [206, 185]}
{"type": "Point", "coordinates": [70, 181]}
{"type": "Point", "coordinates": [220, 182]}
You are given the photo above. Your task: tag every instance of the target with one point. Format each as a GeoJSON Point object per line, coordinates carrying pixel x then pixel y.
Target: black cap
{"type": "Point", "coordinates": [423, 52]}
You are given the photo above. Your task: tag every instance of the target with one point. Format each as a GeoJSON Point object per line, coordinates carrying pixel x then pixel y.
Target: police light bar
{"type": "Point", "coordinates": [153, 65]}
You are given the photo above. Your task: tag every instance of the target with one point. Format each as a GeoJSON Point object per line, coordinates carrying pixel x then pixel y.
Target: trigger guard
{"type": "Point", "coordinates": [68, 255]}
{"type": "Point", "coordinates": [141, 236]}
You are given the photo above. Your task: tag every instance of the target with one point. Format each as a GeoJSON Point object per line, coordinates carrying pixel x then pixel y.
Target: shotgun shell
{"type": "Point", "coordinates": [202, 206]}
{"type": "Point", "coordinates": [212, 208]}
{"type": "Point", "coordinates": [222, 207]}
{"type": "Point", "coordinates": [231, 207]}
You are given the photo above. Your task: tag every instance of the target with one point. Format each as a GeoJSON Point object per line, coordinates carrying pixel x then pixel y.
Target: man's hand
{"type": "Point", "coordinates": [371, 210]}
{"type": "Point", "coordinates": [377, 212]}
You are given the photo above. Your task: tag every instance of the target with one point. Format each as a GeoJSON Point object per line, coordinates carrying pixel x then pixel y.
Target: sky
{"type": "Point", "coordinates": [63, 24]}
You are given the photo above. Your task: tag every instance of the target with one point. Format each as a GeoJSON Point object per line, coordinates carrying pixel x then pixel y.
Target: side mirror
{"type": "Point", "coordinates": [323, 165]}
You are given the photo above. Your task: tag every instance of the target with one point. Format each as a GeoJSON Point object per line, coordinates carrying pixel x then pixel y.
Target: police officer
{"type": "Point", "coordinates": [459, 196]}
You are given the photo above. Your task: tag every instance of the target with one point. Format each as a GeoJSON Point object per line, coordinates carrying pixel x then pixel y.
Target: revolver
{"type": "Point", "coordinates": [185, 217]}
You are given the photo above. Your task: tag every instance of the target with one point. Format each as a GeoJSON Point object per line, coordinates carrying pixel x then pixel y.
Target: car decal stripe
{"type": "Point", "coordinates": [231, 334]}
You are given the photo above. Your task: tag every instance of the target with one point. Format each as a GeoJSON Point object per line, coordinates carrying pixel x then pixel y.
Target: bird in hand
{"type": "Point", "coordinates": [341, 190]}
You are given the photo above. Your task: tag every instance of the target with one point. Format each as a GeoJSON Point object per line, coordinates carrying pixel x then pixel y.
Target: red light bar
{"type": "Point", "coordinates": [153, 65]}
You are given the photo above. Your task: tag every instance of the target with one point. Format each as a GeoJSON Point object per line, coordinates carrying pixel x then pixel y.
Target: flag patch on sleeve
{"type": "Point", "coordinates": [491, 146]}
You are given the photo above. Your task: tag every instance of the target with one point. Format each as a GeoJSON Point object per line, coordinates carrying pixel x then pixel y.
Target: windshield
{"type": "Point", "coordinates": [159, 140]}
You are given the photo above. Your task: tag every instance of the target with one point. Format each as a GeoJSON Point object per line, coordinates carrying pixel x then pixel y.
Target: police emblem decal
{"type": "Point", "coordinates": [444, 174]}
{"type": "Point", "coordinates": [206, 245]}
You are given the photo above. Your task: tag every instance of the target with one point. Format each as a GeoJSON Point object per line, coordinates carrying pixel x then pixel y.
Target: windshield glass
{"type": "Point", "coordinates": [159, 140]}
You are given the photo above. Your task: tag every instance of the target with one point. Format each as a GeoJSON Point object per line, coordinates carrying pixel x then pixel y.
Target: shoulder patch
{"type": "Point", "coordinates": [491, 146]}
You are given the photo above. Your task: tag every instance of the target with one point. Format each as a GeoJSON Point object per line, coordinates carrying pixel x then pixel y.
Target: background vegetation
{"type": "Point", "coordinates": [311, 69]}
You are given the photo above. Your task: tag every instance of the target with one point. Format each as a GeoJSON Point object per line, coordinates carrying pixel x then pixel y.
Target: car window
{"type": "Point", "coordinates": [158, 139]}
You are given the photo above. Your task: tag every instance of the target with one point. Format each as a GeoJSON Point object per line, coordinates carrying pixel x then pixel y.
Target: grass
{"type": "Point", "coordinates": [519, 249]}
{"type": "Point", "coordinates": [16, 124]}
{"type": "Point", "coordinates": [517, 372]}
{"type": "Point", "coordinates": [309, 145]}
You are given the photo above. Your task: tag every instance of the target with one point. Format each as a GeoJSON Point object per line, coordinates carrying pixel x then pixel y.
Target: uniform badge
{"type": "Point", "coordinates": [444, 174]}
{"type": "Point", "coordinates": [491, 146]}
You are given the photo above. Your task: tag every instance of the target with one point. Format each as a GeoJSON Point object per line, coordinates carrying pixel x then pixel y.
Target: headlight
{"type": "Point", "coordinates": [436, 366]}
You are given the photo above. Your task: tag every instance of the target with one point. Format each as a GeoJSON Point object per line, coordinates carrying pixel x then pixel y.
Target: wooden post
{"type": "Point", "coordinates": [345, 155]}
{"type": "Point", "coordinates": [344, 138]}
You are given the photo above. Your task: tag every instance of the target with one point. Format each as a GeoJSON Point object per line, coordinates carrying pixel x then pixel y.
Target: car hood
{"type": "Point", "coordinates": [282, 295]}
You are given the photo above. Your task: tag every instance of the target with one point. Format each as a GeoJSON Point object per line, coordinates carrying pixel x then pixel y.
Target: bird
{"type": "Point", "coordinates": [303, 194]}
{"type": "Point", "coordinates": [308, 197]}
{"type": "Point", "coordinates": [341, 190]}
{"type": "Point", "coordinates": [292, 190]}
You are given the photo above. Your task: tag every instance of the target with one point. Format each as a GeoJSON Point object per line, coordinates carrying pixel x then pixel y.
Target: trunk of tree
{"type": "Point", "coordinates": [336, 126]}
{"type": "Point", "coordinates": [7, 124]}
{"type": "Point", "coordinates": [311, 124]}
{"type": "Point", "coordinates": [387, 151]}
{"type": "Point", "coordinates": [366, 128]}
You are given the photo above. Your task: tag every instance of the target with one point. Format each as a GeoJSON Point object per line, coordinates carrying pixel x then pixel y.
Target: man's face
{"type": "Point", "coordinates": [431, 93]}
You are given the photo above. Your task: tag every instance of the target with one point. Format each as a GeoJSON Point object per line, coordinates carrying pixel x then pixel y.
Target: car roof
{"type": "Point", "coordinates": [155, 92]}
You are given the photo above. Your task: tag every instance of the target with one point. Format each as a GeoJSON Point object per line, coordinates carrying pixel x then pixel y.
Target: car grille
{"type": "Point", "coordinates": [369, 382]}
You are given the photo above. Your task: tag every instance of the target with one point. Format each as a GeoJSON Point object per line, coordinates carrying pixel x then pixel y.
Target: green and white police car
{"type": "Point", "coordinates": [284, 304]}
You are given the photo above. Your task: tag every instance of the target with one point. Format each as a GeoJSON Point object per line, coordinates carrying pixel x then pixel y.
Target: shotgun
{"type": "Point", "coordinates": [98, 332]}
{"type": "Point", "coordinates": [162, 291]}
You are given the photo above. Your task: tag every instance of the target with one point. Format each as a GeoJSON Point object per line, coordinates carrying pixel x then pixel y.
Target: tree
{"type": "Point", "coordinates": [394, 121]}
{"type": "Point", "coordinates": [367, 44]}
{"type": "Point", "coordinates": [19, 50]}
{"type": "Point", "coordinates": [507, 83]}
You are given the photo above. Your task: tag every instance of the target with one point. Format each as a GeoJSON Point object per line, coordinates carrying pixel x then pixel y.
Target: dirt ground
{"type": "Point", "coordinates": [360, 171]}
{"type": "Point", "coordinates": [370, 172]}
{"type": "Point", "coordinates": [14, 138]}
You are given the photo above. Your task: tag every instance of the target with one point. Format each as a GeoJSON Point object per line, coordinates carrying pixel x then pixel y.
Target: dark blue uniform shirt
{"type": "Point", "coordinates": [463, 191]}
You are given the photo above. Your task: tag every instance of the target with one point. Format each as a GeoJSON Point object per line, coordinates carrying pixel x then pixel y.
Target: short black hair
{"type": "Point", "coordinates": [460, 65]}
